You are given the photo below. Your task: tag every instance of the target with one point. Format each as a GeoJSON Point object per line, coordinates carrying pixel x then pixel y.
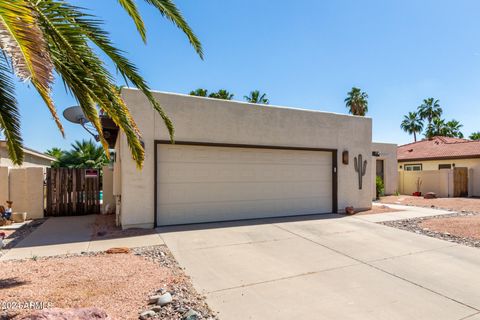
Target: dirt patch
{"type": "Point", "coordinates": [466, 226]}
{"type": "Point", "coordinates": [453, 204]}
{"type": "Point", "coordinates": [104, 228]}
{"type": "Point", "coordinates": [378, 209]}
{"type": "Point", "coordinates": [119, 284]}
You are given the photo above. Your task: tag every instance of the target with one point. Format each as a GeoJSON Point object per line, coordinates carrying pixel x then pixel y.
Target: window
{"type": "Point", "coordinates": [444, 166]}
{"type": "Point", "coordinates": [413, 167]}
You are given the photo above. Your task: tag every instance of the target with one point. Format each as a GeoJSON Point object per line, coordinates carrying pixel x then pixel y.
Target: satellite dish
{"type": "Point", "coordinates": [75, 114]}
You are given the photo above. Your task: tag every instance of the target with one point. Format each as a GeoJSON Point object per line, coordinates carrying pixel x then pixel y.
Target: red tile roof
{"type": "Point", "coordinates": [439, 148]}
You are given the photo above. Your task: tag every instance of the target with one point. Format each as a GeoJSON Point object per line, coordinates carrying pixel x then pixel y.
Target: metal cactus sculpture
{"type": "Point", "coordinates": [360, 168]}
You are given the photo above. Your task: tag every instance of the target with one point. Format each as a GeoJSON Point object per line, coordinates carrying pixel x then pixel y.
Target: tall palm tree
{"type": "Point", "coordinates": [221, 94]}
{"type": "Point", "coordinates": [39, 39]}
{"type": "Point", "coordinates": [256, 97]}
{"type": "Point", "coordinates": [475, 136]}
{"type": "Point", "coordinates": [452, 128]}
{"type": "Point", "coordinates": [199, 92]}
{"type": "Point", "coordinates": [84, 154]}
{"type": "Point", "coordinates": [357, 102]}
{"type": "Point", "coordinates": [413, 124]}
{"type": "Point", "coordinates": [429, 110]}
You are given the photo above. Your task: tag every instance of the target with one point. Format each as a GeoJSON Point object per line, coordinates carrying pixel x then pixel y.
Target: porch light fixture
{"type": "Point", "coordinates": [345, 157]}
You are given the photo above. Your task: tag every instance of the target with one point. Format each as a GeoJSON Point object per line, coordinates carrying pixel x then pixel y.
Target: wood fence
{"type": "Point", "coordinates": [72, 191]}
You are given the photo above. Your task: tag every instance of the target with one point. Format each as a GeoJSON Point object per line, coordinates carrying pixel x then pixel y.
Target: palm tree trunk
{"type": "Point", "coordinates": [414, 136]}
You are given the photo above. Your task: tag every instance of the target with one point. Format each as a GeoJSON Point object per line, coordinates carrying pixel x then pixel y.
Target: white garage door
{"type": "Point", "coordinates": [210, 183]}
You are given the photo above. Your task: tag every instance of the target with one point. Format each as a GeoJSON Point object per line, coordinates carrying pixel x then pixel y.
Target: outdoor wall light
{"type": "Point", "coordinates": [345, 157]}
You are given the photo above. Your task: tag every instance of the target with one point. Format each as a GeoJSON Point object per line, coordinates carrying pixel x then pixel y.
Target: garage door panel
{"type": "Point", "coordinates": [204, 154]}
{"type": "Point", "coordinates": [210, 212]}
{"type": "Point", "coordinates": [209, 183]}
{"type": "Point", "coordinates": [234, 191]}
{"type": "Point", "coordinates": [224, 172]}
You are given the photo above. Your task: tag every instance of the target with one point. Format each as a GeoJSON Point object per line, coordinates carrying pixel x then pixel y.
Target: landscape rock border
{"type": "Point", "coordinates": [413, 225]}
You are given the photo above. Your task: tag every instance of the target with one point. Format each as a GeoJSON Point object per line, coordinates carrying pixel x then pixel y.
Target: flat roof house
{"type": "Point", "coordinates": [443, 153]}
{"type": "Point", "coordinates": [233, 160]}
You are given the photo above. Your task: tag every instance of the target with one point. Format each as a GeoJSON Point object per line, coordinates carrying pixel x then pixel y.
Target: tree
{"type": "Point", "coordinates": [221, 94]}
{"type": "Point", "coordinates": [199, 92]}
{"type": "Point", "coordinates": [439, 127]}
{"type": "Point", "coordinates": [357, 102]}
{"type": "Point", "coordinates": [42, 38]}
{"type": "Point", "coordinates": [475, 136]}
{"type": "Point", "coordinates": [412, 123]}
{"type": "Point", "coordinates": [256, 97]}
{"type": "Point", "coordinates": [452, 128]}
{"type": "Point", "coordinates": [56, 153]}
{"type": "Point", "coordinates": [429, 110]}
{"type": "Point", "coordinates": [84, 154]}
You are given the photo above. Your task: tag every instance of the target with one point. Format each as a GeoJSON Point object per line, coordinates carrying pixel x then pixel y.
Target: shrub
{"type": "Point", "coordinates": [380, 187]}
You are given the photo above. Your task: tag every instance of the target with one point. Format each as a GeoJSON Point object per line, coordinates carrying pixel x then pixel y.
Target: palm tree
{"type": "Point", "coordinates": [412, 123]}
{"type": "Point", "coordinates": [475, 136]}
{"type": "Point", "coordinates": [429, 110]}
{"type": "Point", "coordinates": [221, 94]}
{"type": "Point", "coordinates": [56, 153]}
{"type": "Point", "coordinates": [84, 154]}
{"type": "Point", "coordinates": [199, 92]}
{"type": "Point", "coordinates": [256, 97]}
{"type": "Point", "coordinates": [452, 129]}
{"type": "Point", "coordinates": [39, 39]}
{"type": "Point", "coordinates": [357, 102]}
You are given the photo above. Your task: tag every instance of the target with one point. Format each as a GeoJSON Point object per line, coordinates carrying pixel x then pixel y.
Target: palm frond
{"type": "Point", "coordinates": [9, 116]}
{"type": "Point", "coordinates": [131, 8]}
{"type": "Point", "coordinates": [169, 10]}
{"type": "Point", "coordinates": [22, 40]}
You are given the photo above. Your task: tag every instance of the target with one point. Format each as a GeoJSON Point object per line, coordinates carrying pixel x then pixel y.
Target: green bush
{"type": "Point", "coordinates": [380, 187]}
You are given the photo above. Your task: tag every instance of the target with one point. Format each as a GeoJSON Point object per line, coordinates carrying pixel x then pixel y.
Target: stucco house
{"type": "Point", "coordinates": [32, 158]}
{"type": "Point", "coordinates": [434, 161]}
{"type": "Point", "coordinates": [24, 184]}
{"type": "Point", "coordinates": [233, 160]}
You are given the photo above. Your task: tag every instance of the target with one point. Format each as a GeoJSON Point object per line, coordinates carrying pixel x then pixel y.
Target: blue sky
{"type": "Point", "coordinates": [306, 53]}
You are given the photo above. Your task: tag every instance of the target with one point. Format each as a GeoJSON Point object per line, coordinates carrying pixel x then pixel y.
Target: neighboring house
{"type": "Point", "coordinates": [24, 184]}
{"type": "Point", "coordinates": [31, 158]}
{"type": "Point", "coordinates": [233, 160]}
{"type": "Point", "coordinates": [385, 157]}
{"type": "Point", "coordinates": [427, 158]}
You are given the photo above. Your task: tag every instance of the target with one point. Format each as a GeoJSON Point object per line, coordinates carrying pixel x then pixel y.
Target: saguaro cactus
{"type": "Point", "coordinates": [360, 168]}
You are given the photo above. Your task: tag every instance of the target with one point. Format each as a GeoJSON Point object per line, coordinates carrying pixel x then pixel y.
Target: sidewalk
{"type": "Point", "coordinates": [71, 235]}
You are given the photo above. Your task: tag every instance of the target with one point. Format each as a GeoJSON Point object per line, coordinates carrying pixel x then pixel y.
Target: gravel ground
{"type": "Point", "coordinates": [119, 284]}
{"type": "Point", "coordinates": [452, 204]}
{"type": "Point", "coordinates": [462, 227]}
{"type": "Point", "coordinates": [15, 236]}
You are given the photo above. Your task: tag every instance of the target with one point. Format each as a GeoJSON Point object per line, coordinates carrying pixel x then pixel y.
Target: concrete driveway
{"type": "Point", "coordinates": [328, 267]}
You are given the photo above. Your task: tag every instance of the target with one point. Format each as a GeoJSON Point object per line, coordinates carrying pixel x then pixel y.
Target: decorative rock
{"type": "Point", "coordinates": [191, 315]}
{"type": "Point", "coordinates": [156, 308]}
{"type": "Point", "coordinates": [147, 314]}
{"type": "Point", "coordinates": [118, 250]}
{"type": "Point", "coordinates": [430, 195]}
{"type": "Point", "coordinates": [58, 313]}
{"type": "Point", "coordinates": [153, 299]}
{"type": "Point", "coordinates": [164, 299]}
{"type": "Point", "coordinates": [349, 210]}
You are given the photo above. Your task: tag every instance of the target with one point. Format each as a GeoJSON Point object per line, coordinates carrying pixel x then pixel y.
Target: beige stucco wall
{"type": "Point", "coordinates": [4, 192]}
{"type": "Point", "coordinates": [220, 121]}
{"type": "Point", "coordinates": [438, 181]}
{"type": "Point", "coordinates": [108, 205]}
{"type": "Point", "coordinates": [473, 164]}
{"type": "Point", "coordinates": [388, 153]}
{"type": "Point", "coordinates": [29, 160]}
{"type": "Point", "coordinates": [26, 191]}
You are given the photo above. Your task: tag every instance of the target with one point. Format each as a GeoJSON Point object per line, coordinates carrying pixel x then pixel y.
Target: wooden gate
{"type": "Point", "coordinates": [460, 182]}
{"type": "Point", "coordinates": [72, 192]}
